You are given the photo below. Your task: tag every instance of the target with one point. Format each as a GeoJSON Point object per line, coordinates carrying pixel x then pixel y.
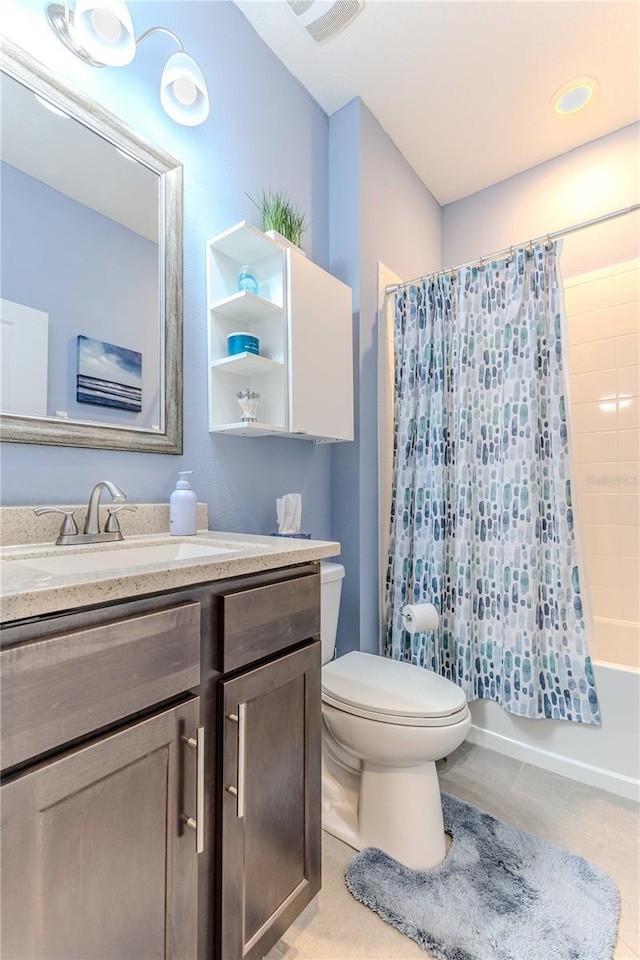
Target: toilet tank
{"type": "Point", "coordinates": [331, 575]}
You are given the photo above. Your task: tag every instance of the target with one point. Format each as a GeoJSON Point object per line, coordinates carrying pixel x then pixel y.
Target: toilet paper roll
{"type": "Point", "coordinates": [417, 617]}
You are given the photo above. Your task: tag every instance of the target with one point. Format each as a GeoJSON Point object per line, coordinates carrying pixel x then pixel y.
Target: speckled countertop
{"type": "Point", "coordinates": [29, 592]}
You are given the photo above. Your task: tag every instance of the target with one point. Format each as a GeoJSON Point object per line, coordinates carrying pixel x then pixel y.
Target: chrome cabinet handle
{"type": "Point", "coordinates": [238, 792]}
{"type": "Point", "coordinates": [197, 824]}
{"type": "Point", "coordinates": [242, 709]}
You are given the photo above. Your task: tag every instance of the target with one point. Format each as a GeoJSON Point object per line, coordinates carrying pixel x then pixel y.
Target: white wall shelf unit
{"type": "Point", "coordinates": [302, 318]}
{"type": "Point", "coordinates": [320, 352]}
{"type": "Point", "coordinates": [246, 307]}
{"type": "Point", "coordinates": [244, 243]}
{"type": "Point", "coordinates": [233, 311]}
{"type": "Point", "coordinates": [249, 429]}
{"type": "Point", "coordinates": [244, 363]}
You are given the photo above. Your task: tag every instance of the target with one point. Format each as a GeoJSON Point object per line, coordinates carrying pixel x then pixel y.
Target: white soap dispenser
{"type": "Point", "coordinates": [183, 507]}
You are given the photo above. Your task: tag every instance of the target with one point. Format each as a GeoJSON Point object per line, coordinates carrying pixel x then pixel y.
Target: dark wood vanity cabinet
{"type": "Point", "coordinates": [269, 733]}
{"type": "Point", "coordinates": [98, 858]}
{"type": "Point", "coordinates": [270, 844]}
{"type": "Point", "coordinates": [97, 861]}
{"type": "Point", "coordinates": [127, 726]}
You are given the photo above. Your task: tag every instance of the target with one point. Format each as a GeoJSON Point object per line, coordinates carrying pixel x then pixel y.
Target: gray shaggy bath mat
{"type": "Point", "coordinates": [500, 894]}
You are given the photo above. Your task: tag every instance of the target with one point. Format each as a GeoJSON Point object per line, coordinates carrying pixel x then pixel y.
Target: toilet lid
{"type": "Point", "coordinates": [390, 687]}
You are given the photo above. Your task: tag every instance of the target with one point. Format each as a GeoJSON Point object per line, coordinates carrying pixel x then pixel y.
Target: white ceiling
{"type": "Point", "coordinates": [464, 88]}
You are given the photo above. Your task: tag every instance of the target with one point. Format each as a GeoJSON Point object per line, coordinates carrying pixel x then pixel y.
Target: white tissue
{"type": "Point", "coordinates": [289, 513]}
{"type": "Point", "coordinates": [417, 617]}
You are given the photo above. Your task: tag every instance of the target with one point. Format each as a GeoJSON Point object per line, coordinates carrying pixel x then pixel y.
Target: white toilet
{"type": "Point", "coordinates": [385, 723]}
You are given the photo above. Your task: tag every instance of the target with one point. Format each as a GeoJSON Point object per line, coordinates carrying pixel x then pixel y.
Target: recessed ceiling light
{"type": "Point", "coordinates": [574, 95]}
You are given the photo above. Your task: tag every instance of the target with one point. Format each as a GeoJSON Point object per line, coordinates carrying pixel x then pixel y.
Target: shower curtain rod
{"type": "Point", "coordinates": [392, 287]}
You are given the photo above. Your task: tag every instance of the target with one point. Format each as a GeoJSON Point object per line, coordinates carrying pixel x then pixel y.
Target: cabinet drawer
{"type": "Point", "coordinates": [258, 623]}
{"type": "Point", "coordinates": [70, 684]}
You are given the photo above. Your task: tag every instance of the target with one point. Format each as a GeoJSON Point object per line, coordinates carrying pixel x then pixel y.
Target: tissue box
{"type": "Point", "coordinates": [294, 536]}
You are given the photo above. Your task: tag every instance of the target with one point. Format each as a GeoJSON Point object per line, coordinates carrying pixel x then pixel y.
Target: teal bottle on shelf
{"type": "Point", "coordinates": [247, 280]}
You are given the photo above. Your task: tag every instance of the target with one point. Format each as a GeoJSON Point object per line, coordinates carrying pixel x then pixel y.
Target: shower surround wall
{"type": "Point", "coordinates": [603, 318]}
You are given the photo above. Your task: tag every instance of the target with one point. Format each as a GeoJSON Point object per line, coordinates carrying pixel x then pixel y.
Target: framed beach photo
{"type": "Point", "coordinates": [109, 375]}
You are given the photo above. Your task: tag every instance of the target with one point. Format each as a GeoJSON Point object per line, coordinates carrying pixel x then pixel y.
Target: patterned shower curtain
{"type": "Point", "coordinates": [482, 521]}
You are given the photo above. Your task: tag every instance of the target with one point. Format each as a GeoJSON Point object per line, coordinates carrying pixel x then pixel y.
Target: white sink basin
{"type": "Point", "coordinates": [124, 558]}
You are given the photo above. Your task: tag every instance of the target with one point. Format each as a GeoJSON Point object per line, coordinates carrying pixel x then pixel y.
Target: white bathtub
{"type": "Point", "coordinates": [607, 756]}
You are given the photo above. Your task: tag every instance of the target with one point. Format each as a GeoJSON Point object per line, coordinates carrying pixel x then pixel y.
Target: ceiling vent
{"type": "Point", "coordinates": [322, 19]}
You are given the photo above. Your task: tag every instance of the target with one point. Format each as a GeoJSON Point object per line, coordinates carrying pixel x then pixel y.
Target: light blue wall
{"type": "Point", "coordinates": [377, 198]}
{"type": "Point", "coordinates": [264, 131]}
{"type": "Point", "coordinates": [96, 250]}
{"type": "Point", "coordinates": [590, 181]}
{"type": "Point", "coordinates": [345, 236]}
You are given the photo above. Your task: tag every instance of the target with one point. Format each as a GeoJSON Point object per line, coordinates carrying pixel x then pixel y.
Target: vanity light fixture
{"type": "Point", "coordinates": [574, 95]}
{"type": "Point", "coordinates": [183, 91]}
{"type": "Point", "coordinates": [101, 33]}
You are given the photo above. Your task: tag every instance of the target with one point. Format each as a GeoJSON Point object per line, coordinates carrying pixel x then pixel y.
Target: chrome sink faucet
{"type": "Point", "coordinates": [92, 523]}
{"type": "Point", "coordinates": [92, 533]}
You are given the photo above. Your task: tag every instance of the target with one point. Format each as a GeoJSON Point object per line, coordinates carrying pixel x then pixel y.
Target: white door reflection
{"type": "Point", "coordinates": [24, 351]}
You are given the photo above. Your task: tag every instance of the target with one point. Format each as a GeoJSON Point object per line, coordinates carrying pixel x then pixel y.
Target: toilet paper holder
{"type": "Point", "coordinates": [419, 617]}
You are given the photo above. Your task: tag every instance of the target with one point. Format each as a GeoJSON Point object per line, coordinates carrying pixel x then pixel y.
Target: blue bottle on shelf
{"type": "Point", "coordinates": [247, 280]}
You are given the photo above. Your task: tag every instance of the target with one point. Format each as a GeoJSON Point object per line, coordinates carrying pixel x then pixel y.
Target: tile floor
{"type": "Point", "coordinates": [597, 825]}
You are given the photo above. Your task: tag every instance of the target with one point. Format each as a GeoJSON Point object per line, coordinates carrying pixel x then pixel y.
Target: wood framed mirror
{"type": "Point", "coordinates": [91, 297]}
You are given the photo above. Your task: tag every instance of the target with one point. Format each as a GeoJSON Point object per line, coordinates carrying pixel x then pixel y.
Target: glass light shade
{"type": "Point", "coordinates": [183, 91]}
{"type": "Point", "coordinates": [105, 30]}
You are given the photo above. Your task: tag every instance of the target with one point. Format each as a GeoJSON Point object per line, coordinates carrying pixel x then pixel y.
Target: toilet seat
{"type": "Point", "coordinates": [396, 718]}
{"type": "Point", "coordinates": [392, 691]}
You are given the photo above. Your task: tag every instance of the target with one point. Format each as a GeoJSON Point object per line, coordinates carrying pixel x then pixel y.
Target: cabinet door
{"type": "Point", "coordinates": [271, 806]}
{"type": "Point", "coordinates": [97, 861]}
{"type": "Point", "coordinates": [320, 351]}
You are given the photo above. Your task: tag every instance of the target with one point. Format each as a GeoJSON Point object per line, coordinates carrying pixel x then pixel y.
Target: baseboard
{"type": "Point", "coordinates": [557, 763]}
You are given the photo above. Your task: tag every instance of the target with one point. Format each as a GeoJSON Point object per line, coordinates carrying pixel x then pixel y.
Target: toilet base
{"type": "Point", "coordinates": [397, 809]}
{"type": "Point", "coordinates": [340, 788]}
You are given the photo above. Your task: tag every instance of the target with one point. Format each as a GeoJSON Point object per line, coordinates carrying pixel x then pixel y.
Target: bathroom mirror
{"type": "Point", "coordinates": [91, 257]}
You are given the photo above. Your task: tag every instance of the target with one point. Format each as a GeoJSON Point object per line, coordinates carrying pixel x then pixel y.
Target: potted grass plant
{"type": "Point", "coordinates": [281, 218]}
